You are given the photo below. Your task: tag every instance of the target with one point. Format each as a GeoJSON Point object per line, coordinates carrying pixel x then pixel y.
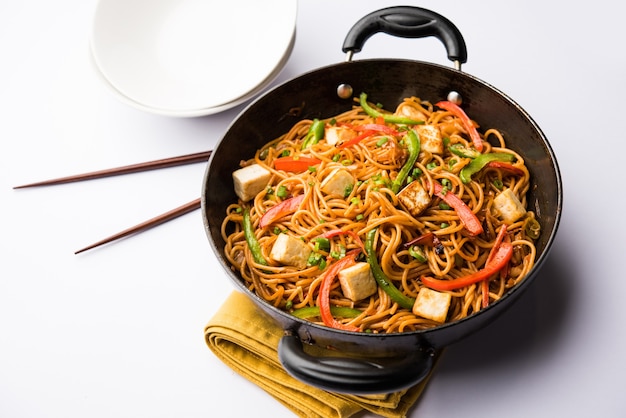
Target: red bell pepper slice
{"type": "Point", "coordinates": [357, 139]}
{"type": "Point", "coordinates": [498, 241]}
{"type": "Point", "coordinates": [323, 299]}
{"type": "Point", "coordinates": [470, 221]}
{"type": "Point", "coordinates": [467, 122]}
{"type": "Point", "coordinates": [496, 245]}
{"type": "Point", "coordinates": [499, 261]}
{"type": "Point", "coordinates": [509, 168]}
{"type": "Point", "coordinates": [295, 164]}
{"type": "Point", "coordinates": [284, 208]}
{"type": "Point", "coordinates": [427, 239]}
{"type": "Point", "coordinates": [377, 128]}
{"type": "Point", "coordinates": [368, 130]}
{"type": "Point", "coordinates": [335, 232]}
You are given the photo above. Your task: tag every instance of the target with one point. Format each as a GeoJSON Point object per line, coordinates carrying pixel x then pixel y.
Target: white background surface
{"type": "Point", "coordinates": [117, 332]}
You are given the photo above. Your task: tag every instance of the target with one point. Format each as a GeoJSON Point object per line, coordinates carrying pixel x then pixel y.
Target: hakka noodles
{"type": "Point", "coordinates": [382, 222]}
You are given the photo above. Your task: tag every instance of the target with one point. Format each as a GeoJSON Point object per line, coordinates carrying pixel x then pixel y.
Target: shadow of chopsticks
{"type": "Point", "coordinates": [128, 169]}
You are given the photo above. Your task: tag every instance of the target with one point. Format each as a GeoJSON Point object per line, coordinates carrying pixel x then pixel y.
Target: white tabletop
{"type": "Point", "coordinates": [118, 331]}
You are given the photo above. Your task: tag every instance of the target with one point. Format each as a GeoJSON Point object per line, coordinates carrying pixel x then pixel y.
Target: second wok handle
{"type": "Point", "coordinates": [354, 375]}
{"type": "Point", "coordinates": [408, 22]}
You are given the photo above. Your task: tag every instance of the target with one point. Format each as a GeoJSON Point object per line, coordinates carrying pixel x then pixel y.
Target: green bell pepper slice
{"type": "Point", "coordinates": [413, 145]}
{"type": "Point", "coordinates": [463, 151]}
{"type": "Point", "coordinates": [337, 311]}
{"type": "Point", "coordinates": [480, 162]}
{"type": "Point", "coordinates": [253, 243]}
{"type": "Point", "coordinates": [400, 120]}
{"type": "Point", "coordinates": [380, 277]}
{"type": "Point", "coordinates": [316, 132]}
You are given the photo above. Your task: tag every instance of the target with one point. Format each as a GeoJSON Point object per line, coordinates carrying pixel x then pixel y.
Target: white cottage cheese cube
{"type": "Point", "coordinates": [290, 251]}
{"type": "Point", "coordinates": [338, 134]}
{"type": "Point", "coordinates": [414, 198]}
{"type": "Point", "coordinates": [430, 139]}
{"type": "Point", "coordinates": [508, 206]}
{"type": "Point", "coordinates": [250, 181]}
{"type": "Point", "coordinates": [357, 282]}
{"type": "Point", "coordinates": [337, 182]}
{"type": "Point", "coordinates": [410, 112]}
{"type": "Point", "coordinates": [431, 304]}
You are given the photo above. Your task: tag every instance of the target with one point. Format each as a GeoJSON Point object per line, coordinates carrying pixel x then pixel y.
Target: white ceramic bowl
{"type": "Point", "coordinates": [191, 57]}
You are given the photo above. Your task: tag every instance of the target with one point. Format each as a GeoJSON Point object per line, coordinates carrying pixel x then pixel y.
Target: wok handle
{"type": "Point", "coordinates": [407, 22]}
{"type": "Point", "coordinates": [353, 375]}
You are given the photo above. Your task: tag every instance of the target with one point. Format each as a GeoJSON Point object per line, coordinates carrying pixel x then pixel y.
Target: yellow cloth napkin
{"type": "Point", "coordinates": [245, 340]}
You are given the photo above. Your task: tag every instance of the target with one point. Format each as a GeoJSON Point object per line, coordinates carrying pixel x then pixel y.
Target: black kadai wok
{"type": "Point", "coordinates": [367, 363]}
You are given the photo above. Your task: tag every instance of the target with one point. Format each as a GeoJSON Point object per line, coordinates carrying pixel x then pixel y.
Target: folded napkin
{"type": "Point", "coordinates": [245, 340]}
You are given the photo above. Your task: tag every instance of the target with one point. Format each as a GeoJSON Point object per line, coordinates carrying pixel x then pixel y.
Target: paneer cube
{"type": "Point", "coordinates": [291, 251]}
{"type": "Point", "coordinates": [250, 180]}
{"type": "Point", "coordinates": [414, 198]}
{"type": "Point", "coordinates": [337, 134]}
{"type": "Point", "coordinates": [338, 182]}
{"type": "Point", "coordinates": [410, 112]}
{"type": "Point", "coordinates": [357, 282]}
{"type": "Point", "coordinates": [508, 206]}
{"type": "Point", "coordinates": [430, 139]}
{"type": "Point", "coordinates": [432, 305]}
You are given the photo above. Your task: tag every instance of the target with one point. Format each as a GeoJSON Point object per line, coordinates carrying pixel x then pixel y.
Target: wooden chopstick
{"type": "Point", "coordinates": [150, 223]}
{"type": "Point", "coordinates": [127, 169]}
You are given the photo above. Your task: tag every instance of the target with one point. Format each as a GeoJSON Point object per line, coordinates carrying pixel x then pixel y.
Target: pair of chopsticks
{"type": "Point", "coordinates": [128, 169]}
